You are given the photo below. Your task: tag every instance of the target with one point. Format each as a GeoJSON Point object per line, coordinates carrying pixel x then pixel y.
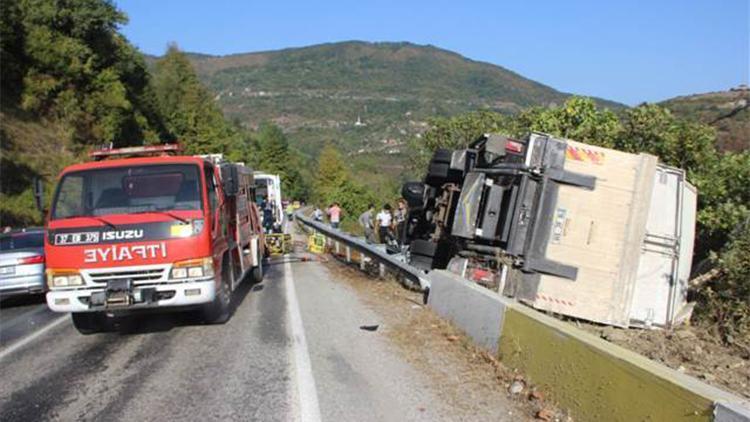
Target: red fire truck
{"type": "Point", "coordinates": [142, 228]}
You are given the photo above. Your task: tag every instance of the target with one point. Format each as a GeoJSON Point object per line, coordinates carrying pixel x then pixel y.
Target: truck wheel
{"type": "Point", "coordinates": [217, 312]}
{"type": "Point", "coordinates": [256, 273]}
{"type": "Point", "coordinates": [439, 170]}
{"type": "Point", "coordinates": [90, 322]}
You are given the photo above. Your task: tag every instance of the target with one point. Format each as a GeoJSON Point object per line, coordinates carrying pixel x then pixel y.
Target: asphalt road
{"type": "Point", "coordinates": [293, 350]}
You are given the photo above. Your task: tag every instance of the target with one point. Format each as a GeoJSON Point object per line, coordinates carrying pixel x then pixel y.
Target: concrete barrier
{"type": "Point", "coordinates": [476, 310]}
{"type": "Point", "coordinates": [594, 379]}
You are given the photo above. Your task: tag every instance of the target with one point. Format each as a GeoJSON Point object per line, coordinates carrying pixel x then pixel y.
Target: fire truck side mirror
{"type": "Point", "coordinates": [39, 195]}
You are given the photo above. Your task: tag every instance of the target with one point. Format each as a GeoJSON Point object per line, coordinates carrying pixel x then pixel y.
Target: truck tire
{"type": "Point", "coordinates": [90, 322]}
{"type": "Point", "coordinates": [442, 155]}
{"type": "Point", "coordinates": [439, 169]}
{"type": "Point", "coordinates": [256, 274]}
{"type": "Point", "coordinates": [217, 312]}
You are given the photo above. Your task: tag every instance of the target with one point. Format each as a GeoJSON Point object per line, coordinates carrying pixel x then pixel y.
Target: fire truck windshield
{"type": "Point", "coordinates": [125, 190]}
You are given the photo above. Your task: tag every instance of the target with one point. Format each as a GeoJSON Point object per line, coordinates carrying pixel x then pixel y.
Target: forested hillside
{"type": "Point", "coordinates": [366, 97]}
{"type": "Point", "coordinates": [727, 111]}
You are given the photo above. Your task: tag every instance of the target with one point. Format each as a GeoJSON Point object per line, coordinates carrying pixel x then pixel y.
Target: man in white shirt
{"type": "Point", "coordinates": [385, 219]}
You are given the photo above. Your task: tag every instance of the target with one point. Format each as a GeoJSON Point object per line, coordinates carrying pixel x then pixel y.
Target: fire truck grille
{"type": "Point", "coordinates": [136, 276]}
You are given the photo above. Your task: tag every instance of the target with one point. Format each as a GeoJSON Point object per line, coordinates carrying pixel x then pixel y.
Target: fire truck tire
{"type": "Point", "coordinates": [217, 312]}
{"type": "Point", "coordinates": [90, 322]}
{"type": "Point", "coordinates": [256, 274]}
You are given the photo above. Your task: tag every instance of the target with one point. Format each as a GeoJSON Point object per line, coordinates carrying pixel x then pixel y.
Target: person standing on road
{"type": "Point", "coordinates": [334, 215]}
{"type": "Point", "coordinates": [366, 221]}
{"type": "Point", "coordinates": [385, 220]}
{"type": "Point", "coordinates": [268, 217]}
{"type": "Point", "coordinates": [400, 217]}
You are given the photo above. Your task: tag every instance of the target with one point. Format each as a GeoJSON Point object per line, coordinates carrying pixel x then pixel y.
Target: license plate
{"type": "Point", "coordinates": [7, 270]}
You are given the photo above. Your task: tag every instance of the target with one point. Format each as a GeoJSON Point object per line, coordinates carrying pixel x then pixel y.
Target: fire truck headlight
{"type": "Point", "coordinates": [208, 267]}
{"type": "Point", "coordinates": [179, 273]}
{"type": "Point", "coordinates": [201, 267]}
{"type": "Point", "coordinates": [64, 278]}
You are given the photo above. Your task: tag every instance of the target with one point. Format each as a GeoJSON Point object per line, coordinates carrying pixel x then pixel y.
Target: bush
{"type": "Point", "coordinates": [725, 302]}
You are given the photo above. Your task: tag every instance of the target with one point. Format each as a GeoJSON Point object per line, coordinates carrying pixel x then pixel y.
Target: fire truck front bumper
{"type": "Point", "coordinates": [122, 295]}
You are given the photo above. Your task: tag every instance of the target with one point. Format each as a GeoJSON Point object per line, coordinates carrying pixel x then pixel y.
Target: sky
{"type": "Point", "coordinates": [628, 51]}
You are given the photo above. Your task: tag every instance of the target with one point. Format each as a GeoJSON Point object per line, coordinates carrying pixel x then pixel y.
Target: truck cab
{"type": "Point", "coordinates": [150, 230]}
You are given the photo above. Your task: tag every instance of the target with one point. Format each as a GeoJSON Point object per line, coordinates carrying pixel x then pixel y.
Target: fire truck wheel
{"type": "Point", "coordinates": [217, 312]}
{"type": "Point", "coordinates": [90, 322]}
{"type": "Point", "coordinates": [257, 272]}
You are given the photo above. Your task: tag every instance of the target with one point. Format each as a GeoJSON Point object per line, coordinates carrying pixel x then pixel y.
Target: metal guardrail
{"type": "Point", "coordinates": [372, 251]}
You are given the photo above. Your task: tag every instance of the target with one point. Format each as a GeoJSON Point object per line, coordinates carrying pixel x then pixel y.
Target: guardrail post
{"type": "Point", "coordinates": [337, 247]}
{"type": "Point", "coordinates": [382, 269]}
{"type": "Point", "coordinates": [362, 263]}
{"type": "Point", "coordinates": [348, 254]}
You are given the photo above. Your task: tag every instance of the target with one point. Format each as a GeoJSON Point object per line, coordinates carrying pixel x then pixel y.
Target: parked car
{"type": "Point", "coordinates": [22, 262]}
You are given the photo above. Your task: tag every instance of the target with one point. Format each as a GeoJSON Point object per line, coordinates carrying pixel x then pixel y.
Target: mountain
{"type": "Point", "coordinates": [727, 111]}
{"type": "Point", "coordinates": [361, 95]}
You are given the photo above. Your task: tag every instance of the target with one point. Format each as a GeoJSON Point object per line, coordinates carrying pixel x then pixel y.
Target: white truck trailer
{"type": "Point", "coordinates": [563, 226]}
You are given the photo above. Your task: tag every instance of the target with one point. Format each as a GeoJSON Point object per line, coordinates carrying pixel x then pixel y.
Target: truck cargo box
{"type": "Point", "coordinates": [629, 238]}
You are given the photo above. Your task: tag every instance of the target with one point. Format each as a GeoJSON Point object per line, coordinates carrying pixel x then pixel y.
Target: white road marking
{"type": "Point", "coordinates": [28, 339]}
{"type": "Point", "coordinates": [307, 395]}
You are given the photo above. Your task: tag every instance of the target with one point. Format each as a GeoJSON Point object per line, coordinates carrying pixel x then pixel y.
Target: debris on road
{"type": "Point", "coordinates": [536, 395]}
{"type": "Point", "coordinates": [545, 415]}
{"type": "Point", "coordinates": [516, 387]}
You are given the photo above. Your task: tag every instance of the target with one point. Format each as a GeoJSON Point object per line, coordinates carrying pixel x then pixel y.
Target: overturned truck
{"type": "Point", "coordinates": [563, 226]}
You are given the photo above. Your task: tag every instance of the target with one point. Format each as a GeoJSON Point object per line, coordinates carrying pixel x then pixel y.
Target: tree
{"type": "Point", "coordinates": [653, 129]}
{"type": "Point", "coordinates": [333, 183]}
{"type": "Point", "coordinates": [79, 70]}
{"type": "Point", "coordinates": [13, 60]}
{"type": "Point", "coordinates": [724, 199]}
{"type": "Point", "coordinates": [71, 81]}
{"type": "Point", "coordinates": [577, 119]}
{"type": "Point", "coordinates": [273, 155]}
{"type": "Point", "coordinates": [190, 114]}
{"type": "Point", "coordinates": [725, 302]}
{"type": "Point", "coordinates": [331, 174]}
